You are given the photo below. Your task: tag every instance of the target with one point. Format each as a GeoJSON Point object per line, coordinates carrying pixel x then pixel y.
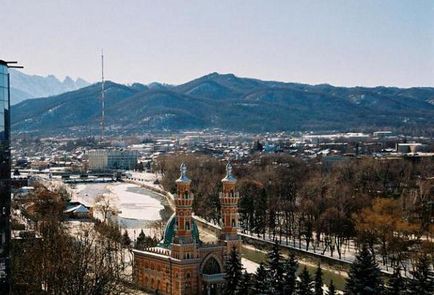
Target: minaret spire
{"type": "Point", "coordinates": [229, 199]}
{"type": "Point", "coordinates": [183, 178]}
{"type": "Point", "coordinates": [183, 208]}
{"type": "Point", "coordinates": [229, 176]}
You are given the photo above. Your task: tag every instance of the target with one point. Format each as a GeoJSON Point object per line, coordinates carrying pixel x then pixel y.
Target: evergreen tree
{"type": "Point", "coordinates": [364, 277]}
{"type": "Point", "coordinates": [141, 241]}
{"type": "Point", "coordinates": [275, 267]}
{"type": "Point", "coordinates": [244, 286]}
{"type": "Point", "coordinates": [332, 289]}
{"type": "Point", "coordinates": [318, 281]}
{"type": "Point", "coordinates": [150, 242]}
{"type": "Point", "coordinates": [396, 283]}
{"type": "Point", "coordinates": [422, 282]}
{"type": "Point", "coordinates": [290, 275]}
{"type": "Point", "coordinates": [126, 241]}
{"type": "Point", "coordinates": [233, 272]}
{"type": "Point", "coordinates": [262, 284]}
{"type": "Point", "coordinates": [304, 286]}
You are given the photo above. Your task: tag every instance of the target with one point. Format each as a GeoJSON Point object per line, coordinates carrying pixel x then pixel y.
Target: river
{"type": "Point", "coordinates": [138, 208]}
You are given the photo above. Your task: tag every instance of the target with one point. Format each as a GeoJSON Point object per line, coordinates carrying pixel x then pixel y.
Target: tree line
{"type": "Point", "coordinates": [279, 276]}
{"type": "Point", "coordinates": [385, 204]}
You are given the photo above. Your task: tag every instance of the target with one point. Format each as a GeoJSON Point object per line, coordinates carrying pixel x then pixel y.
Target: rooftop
{"type": "Point", "coordinates": [170, 231]}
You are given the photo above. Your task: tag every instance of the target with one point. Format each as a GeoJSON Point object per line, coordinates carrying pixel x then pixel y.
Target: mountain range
{"type": "Point", "coordinates": [227, 102]}
{"type": "Point", "coordinates": [24, 86]}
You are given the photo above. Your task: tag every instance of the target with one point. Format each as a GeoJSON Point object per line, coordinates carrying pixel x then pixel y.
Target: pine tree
{"type": "Point", "coordinates": [290, 275]}
{"type": "Point", "coordinates": [318, 281]}
{"type": "Point", "coordinates": [141, 239]}
{"type": "Point", "coordinates": [396, 283]}
{"type": "Point", "coordinates": [126, 241]}
{"type": "Point", "coordinates": [364, 277]}
{"type": "Point", "coordinates": [244, 286]}
{"type": "Point", "coordinates": [422, 282]}
{"type": "Point", "coordinates": [233, 272]}
{"type": "Point", "coordinates": [332, 289]}
{"type": "Point", "coordinates": [262, 284]}
{"type": "Point", "coordinates": [275, 267]}
{"type": "Point", "coordinates": [304, 286]}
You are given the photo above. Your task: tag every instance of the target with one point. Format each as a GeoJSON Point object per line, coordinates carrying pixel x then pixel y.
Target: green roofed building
{"type": "Point", "coordinates": [181, 263]}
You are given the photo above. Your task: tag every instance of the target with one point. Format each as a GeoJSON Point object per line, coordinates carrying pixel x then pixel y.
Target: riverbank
{"type": "Point", "coordinates": [136, 207]}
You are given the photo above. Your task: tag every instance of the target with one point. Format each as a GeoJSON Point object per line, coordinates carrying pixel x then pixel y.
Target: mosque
{"type": "Point", "coordinates": [182, 263]}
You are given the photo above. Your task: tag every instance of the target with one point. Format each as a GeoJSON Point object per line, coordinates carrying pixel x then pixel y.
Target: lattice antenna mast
{"type": "Point", "coordinates": [102, 95]}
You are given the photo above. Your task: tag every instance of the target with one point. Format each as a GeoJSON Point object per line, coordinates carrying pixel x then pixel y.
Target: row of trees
{"type": "Point", "coordinates": [141, 243]}
{"type": "Point", "coordinates": [279, 276]}
{"type": "Point", "coordinates": [365, 277]}
{"type": "Point", "coordinates": [276, 276]}
{"type": "Point", "coordinates": [386, 204]}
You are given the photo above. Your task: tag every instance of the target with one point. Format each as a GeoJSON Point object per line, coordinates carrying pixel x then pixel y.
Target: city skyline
{"type": "Point", "coordinates": [343, 43]}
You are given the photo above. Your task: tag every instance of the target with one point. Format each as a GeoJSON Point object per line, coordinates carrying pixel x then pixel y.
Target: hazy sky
{"type": "Point", "coordinates": [338, 42]}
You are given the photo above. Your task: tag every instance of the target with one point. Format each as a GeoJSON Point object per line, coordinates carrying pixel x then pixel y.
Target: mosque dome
{"type": "Point", "coordinates": [170, 230]}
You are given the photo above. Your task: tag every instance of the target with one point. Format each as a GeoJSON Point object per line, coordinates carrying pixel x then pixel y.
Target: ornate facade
{"type": "Point", "coordinates": [182, 263]}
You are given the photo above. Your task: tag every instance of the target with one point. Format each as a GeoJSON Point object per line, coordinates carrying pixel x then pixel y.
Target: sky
{"type": "Point", "coordinates": [340, 42]}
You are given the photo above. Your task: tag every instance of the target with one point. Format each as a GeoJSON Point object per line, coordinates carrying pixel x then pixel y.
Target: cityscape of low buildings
{"type": "Point", "coordinates": [61, 156]}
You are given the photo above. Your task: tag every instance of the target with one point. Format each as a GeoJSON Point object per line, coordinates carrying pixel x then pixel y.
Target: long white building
{"type": "Point", "coordinates": [112, 159]}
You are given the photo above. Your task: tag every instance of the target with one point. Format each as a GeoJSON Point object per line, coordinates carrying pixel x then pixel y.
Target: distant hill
{"type": "Point", "coordinates": [25, 86]}
{"type": "Point", "coordinates": [228, 102]}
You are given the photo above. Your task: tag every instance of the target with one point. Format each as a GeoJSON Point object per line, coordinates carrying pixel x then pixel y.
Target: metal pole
{"type": "Point", "coordinates": [102, 95]}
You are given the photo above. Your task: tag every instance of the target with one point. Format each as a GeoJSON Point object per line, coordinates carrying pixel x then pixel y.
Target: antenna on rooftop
{"type": "Point", "coordinates": [102, 95]}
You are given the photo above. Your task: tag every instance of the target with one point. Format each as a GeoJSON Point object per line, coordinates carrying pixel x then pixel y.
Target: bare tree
{"type": "Point", "coordinates": [64, 260]}
{"type": "Point", "coordinates": [104, 205]}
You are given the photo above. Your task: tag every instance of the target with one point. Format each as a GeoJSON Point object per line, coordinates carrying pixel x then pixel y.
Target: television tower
{"type": "Point", "coordinates": [102, 96]}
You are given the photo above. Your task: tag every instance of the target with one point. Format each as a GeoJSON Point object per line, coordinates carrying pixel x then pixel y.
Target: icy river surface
{"type": "Point", "coordinates": [137, 207]}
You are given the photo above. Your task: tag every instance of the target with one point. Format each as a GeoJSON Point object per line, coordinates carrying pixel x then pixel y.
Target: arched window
{"type": "Point", "coordinates": [211, 266]}
{"type": "Point", "coordinates": [187, 225]}
{"type": "Point", "coordinates": [234, 224]}
{"type": "Point", "coordinates": [185, 195]}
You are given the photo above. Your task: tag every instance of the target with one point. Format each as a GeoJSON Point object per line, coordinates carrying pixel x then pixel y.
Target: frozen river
{"type": "Point", "coordinates": [135, 202]}
{"type": "Point", "coordinates": [137, 207]}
